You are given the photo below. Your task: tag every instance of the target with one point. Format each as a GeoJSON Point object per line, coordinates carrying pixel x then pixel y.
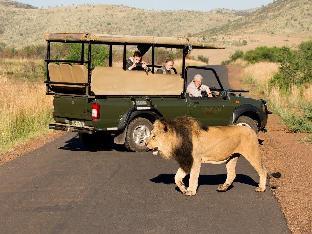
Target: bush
{"type": "Point", "coordinates": [237, 55]}
{"type": "Point", "coordinates": [273, 54]}
{"type": "Point", "coordinates": [99, 54]}
{"type": "Point", "coordinates": [295, 69]}
{"type": "Point", "coordinates": [269, 54]}
{"type": "Point", "coordinates": [299, 122]}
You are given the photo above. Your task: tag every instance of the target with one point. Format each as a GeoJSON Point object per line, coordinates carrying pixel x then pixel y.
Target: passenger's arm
{"type": "Point", "coordinates": [207, 89]}
{"type": "Point", "coordinates": [190, 90]}
{"type": "Point", "coordinates": [130, 65]}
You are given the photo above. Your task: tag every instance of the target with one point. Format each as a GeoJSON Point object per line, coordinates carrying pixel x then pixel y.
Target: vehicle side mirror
{"type": "Point", "coordinates": [224, 94]}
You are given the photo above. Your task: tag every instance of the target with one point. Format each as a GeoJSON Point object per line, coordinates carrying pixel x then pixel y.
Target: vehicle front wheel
{"type": "Point", "coordinates": [248, 122]}
{"type": "Point", "coordinates": [138, 132]}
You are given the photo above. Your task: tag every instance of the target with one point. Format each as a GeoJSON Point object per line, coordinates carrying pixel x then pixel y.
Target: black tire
{"type": "Point", "coordinates": [248, 122]}
{"type": "Point", "coordinates": [135, 142]}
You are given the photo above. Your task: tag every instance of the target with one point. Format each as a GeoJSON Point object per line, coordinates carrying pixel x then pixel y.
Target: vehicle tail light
{"type": "Point", "coordinates": [96, 108]}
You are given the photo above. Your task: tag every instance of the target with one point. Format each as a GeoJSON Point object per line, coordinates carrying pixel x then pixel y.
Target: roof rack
{"type": "Point", "coordinates": [173, 42]}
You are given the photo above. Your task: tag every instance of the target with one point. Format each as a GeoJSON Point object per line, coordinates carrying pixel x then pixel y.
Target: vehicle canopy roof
{"type": "Point", "coordinates": [171, 42]}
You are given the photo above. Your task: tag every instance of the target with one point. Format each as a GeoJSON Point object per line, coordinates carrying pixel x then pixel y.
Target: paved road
{"type": "Point", "coordinates": [63, 188]}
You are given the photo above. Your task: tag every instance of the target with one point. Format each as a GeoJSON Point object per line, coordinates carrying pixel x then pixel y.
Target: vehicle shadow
{"type": "Point", "coordinates": [74, 144]}
{"type": "Point", "coordinates": [205, 179]}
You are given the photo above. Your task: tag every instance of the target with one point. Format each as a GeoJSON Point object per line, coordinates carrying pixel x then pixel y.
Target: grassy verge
{"type": "Point", "coordinates": [294, 106]}
{"type": "Point", "coordinates": [284, 77]}
{"type": "Point", "coordinates": [24, 109]}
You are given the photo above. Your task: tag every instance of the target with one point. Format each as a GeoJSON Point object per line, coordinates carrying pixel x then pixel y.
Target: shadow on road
{"type": "Point", "coordinates": [205, 179]}
{"type": "Point", "coordinates": [74, 144]}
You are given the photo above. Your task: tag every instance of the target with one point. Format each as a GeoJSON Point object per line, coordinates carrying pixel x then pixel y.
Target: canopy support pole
{"type": "Point", "coordinates": [125, 57]}
{"type": "Point", "coordinates": [153, 59]}
{"type": "Point", "coordinates": [110, 55]}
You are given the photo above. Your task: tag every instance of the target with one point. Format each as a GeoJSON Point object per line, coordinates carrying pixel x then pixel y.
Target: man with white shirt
{"type": "Point", "coordinates": [195, 88]}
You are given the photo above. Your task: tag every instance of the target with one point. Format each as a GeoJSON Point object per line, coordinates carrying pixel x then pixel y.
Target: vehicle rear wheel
{"type": "Point", "coordinates": [138, 131]}
{"type": "Point", "coordinates": [248, 122]}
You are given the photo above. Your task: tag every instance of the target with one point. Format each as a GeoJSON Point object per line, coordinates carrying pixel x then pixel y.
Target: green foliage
{"type": "Point", "coordinates": [296, 69]}
{"type": "Point", "coordinates": [99, 54]}
{"type": "Point", "coordinates": [23, 127]}
{"type": "Point", "coordinates": [269, 54]}
{"type": "Point", "coordinates": [298, 122]}
{"type": "Point", "coordinates": [237, 55]}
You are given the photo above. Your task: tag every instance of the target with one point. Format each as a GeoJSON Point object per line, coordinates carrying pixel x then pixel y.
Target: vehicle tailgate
{"type": "Point", "coordinates": [72, 107]}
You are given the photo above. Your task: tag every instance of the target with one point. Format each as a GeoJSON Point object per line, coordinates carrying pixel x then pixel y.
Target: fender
{"type": "Point", "coordinates": [249, 110]}
{"type": "Point", "coordinates": [152, 115]}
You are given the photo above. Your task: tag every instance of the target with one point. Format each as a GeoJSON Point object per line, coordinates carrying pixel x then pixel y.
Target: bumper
{"type": "Point", "coordinates": [70, 128]}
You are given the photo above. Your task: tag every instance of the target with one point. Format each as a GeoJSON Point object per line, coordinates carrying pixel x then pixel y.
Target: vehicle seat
{"type": "Point", "coordinates": [54, 72]}
{"type": "Point", "coordinates": [115, 81]}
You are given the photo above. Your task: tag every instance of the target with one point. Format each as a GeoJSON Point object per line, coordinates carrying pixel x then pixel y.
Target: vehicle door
{"type": "Point", "coordinates": [217, 110]}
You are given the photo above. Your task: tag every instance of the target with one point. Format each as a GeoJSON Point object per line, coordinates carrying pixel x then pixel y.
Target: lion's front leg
{"type": "Point", "coordinates": [180, 175]}
{"type": "Point", "coordinates": [194, 175]}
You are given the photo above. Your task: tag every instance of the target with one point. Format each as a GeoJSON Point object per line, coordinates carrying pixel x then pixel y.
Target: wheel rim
{"type": "Point", "coordinates": [244, 125]}
{"type": "Point", "coordinates": [140, 134]}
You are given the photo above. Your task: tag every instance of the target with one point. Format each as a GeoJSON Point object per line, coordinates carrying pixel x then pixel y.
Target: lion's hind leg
{"type": "Point", "coordinates": [178, 179]}
{"type": "Point", "coordinates": [231, 174]}
{"type": "Point", "coordinates": [254, 158]}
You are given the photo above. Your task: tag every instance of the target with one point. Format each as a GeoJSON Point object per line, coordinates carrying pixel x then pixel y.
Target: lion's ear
{"type": "Point", "coordinates": [161, 125]}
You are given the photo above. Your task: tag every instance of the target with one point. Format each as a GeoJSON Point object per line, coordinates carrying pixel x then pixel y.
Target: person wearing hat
{"type": "Point", "coordinates": [196, 88]}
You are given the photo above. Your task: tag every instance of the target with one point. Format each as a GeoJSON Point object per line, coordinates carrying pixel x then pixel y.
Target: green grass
{"type": "Point", "coordinates": [23, 127]}
{"type": "Point", "coordinates": [296, 113]}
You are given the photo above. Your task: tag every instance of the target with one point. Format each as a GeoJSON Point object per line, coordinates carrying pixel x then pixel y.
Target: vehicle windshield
{"type": "Point", "coordinates": [211, 76]}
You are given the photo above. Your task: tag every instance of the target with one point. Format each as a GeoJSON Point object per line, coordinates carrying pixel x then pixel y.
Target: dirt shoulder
{"type": "Point", "coordinates": [287, 153]}
{"type": "Point", "coordinates": [29, 146]}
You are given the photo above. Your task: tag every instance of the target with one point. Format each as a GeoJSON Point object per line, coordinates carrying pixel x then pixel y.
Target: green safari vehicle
{"type": "Point", "coordinates": [101, 101]}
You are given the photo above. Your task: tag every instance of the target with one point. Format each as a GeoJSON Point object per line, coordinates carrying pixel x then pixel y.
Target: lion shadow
{"type": "Point", "coordinates": [205, 180]}
{"type": "Point", "coordinates": [75, 144]}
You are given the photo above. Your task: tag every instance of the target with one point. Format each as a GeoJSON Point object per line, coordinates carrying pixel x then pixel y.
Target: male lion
{"type": "Point", "coordinates": [185, 141]}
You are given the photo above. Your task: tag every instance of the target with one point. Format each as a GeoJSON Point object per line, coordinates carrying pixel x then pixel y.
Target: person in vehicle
{"type": "Point", "coordinates": [196, 88]}
{"type": "Point", "coordinates": [135, 63]}
{"type": "Point", "coordinates": [167, 68]}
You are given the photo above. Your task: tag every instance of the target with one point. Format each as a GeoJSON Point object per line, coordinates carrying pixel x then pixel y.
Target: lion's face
{"type": "Point", "coordinates": [160, 140]}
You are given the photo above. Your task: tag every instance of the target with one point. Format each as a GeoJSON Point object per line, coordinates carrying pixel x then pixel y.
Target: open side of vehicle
{"type": "Point", "coordinates": [100, 101]}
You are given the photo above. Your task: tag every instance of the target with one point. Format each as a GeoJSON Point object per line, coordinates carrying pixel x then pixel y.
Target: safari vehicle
{"type": "Point", "coordinates": [100, 101]}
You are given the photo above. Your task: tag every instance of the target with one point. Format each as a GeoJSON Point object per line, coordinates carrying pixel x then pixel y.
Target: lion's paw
{"type": "Point", "coordinates": [223, 187]}
{"type": "Point", "coordinates": [190, 193]}
{"type": "Point", "coordinates": [183, 190]}
{"type": "Point", "coordinates": [260, 190]}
